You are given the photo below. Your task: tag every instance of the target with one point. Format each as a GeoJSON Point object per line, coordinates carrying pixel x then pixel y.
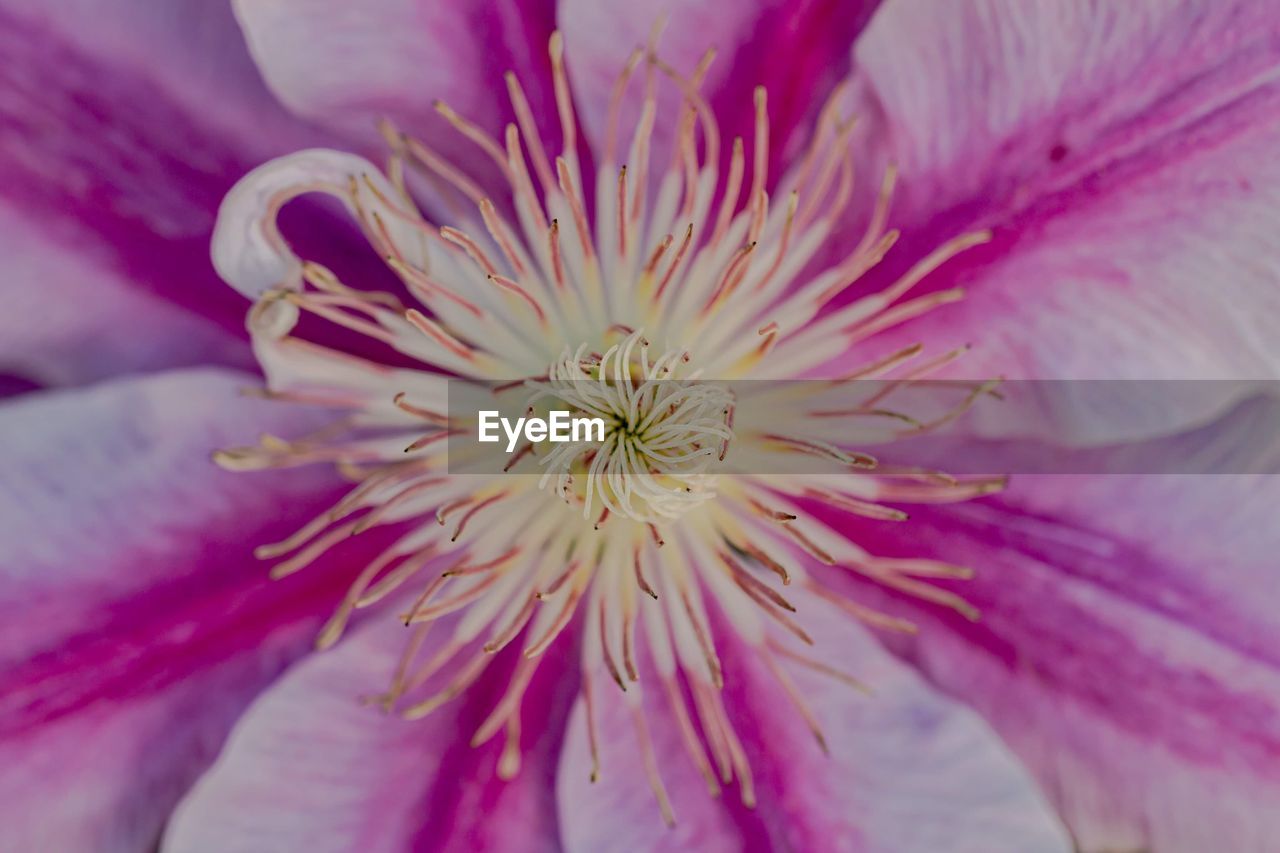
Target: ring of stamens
{"type": "Point", "coordinates": [725, 280]}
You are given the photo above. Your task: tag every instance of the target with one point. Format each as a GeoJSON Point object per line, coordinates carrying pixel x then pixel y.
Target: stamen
{"type": "Point", "coordinates": [503, 638]}
{"type": "Point", "coordinates": [439, 335]}
{"type": "Point", "coordinates": [622, 211]}
{"type": "Point", "coordinates": [528, 127]}
{"type": "Point", "coordinates": [467, 516]}
{"type": "Point", "coordinates": [473, 250]}
{"type": "Point", "coordinates": [704, 639]}
{"type": "Point", "coordinates": [675, 262]}
{"type": "Point", "coordinates": [732, 275]}
{"type": "Point", "coordinates": [450, 605]}
{"type": "Point", "coordinates": [521, 183]}
{"type": "Point", "coordinates": [733, 185]}
{"type": "Point", "coordinates": [867, 509]}
{"type": "Point", "coordinates": [822, 450]}
{"type": "Point", "coordinates": [392, 581]}
{"type": "Point", "coordinates": [475, 134]}
{"type": "Point", "coordinates": [442, 167]}
{"type": "Point", "coordinates": [576, 206]}
{"type": "Point", "coordinates": [818, 666]}
{"type": "Point", "coordinates": [512, 287]}
{"type": "Point", "coordinates": [509, 762]}
{"type": "Point", "coordinates": [768, 562]}
{"type": "Point", "coordinates": [564, 101]}
{"type": "Point", "coordinates": [400, 402]}
{"type": "Point", "coordinates": [421, 284]}
{"type": "Point", "coordinates": [557, 262]}
{"type": "Point", "coordinates": [498, 230]}
{"type": "Point", "coordinates": [615, 105]}
{"type": "Point", "coordinates": [760, 164]}
{"type": "Point", "coordinates": [864, 614]}
{"type": "Point", "coordinates": [305, 557]}
{"type": "Point", "coordinates": [640, 581]}
{"type": "Point", "coordinates": [651, 767]}
{"type": "Point", "coordinates": [508, 704]}
{"type": "Point", "coordinates": [454, 690]}
{"type": "Point", "coordinates": [606, 652]}
{"type": "Point", "coordinates": [562, 619]}
{"type": "Point", "coordinates": [592, 740]}
{"type": "Point", "coordinates": [797, 700]}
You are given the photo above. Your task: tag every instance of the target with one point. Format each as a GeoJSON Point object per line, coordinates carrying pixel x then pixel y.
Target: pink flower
{"type": "Point", "coordinates": [1118, 689]}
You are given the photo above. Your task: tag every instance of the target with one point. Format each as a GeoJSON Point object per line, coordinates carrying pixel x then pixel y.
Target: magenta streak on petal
{"type": "Point", "coordinates": [523, 30]}
{"type": "Point", "coordinates": [164, 674]}
{"type": "Point", "coordinates": [1054, 601]}
{"type": "Point", "coordinates": [171, 631]}
{"type": "Point", "coordinates": [798, 51]}
{"type": "Point", "coordinates": [164, 681]}
{"type": "Point", "coordinates": [310, 766]}
{"type": "Point", "coordinates": [88, 143]}
{"type": "Point", "coordinates": [908, 769]}
{"type": "Point", "coordinates": [103, 152]}
{"type": "Point", "coordinates": [779, 745]}
{"type": "Point", "coordinates": [1020, 210]}
{"type": "Point", "coordinates": [467, 789]}
{"type": "Point", "coordinates": [136, 623]}
{"type": "Point", "coordinates": [12, 385]}
{"type": "Point", "coordinates": [1081, 150]}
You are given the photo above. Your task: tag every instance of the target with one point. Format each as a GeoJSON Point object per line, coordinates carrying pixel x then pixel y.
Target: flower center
{"type": "Point", "coordinates": [663, 433]}
{"type": "Point", "coordinates": [736, 274]}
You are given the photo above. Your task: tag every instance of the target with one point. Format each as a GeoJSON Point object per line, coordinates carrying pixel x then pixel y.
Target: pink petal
{"type": "Point", "coordinates": [134, 621]}
{"type": "Point", "coordinates": [47, 336]}
{"type": "Point", "coordinates": [348, 66]}
{"type": "Point", "coordinates": [798, 51]}
{"type": "Point", "coordinates": [311, 767]}
{"type": "Point", "coordinates": [198, 47]}
{"type": "Point", "coordinates": [1126, 649]}
{"type": "Point", "coordinates": [1123, 156]}
{"type": "Point", "coordinates": [908, 768]}
{"type": "Point", "coordinates": [120, 132]}
{"type": "Point", "coordinates": [619, 810]}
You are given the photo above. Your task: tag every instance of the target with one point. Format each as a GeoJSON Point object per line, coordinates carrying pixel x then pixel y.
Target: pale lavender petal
{"type": "Point", "coordinates": [908, 769]}
{"type": "Point", "coordinates": [1126, 647]}
{"type": "Point", "coordinates": [619, 811]}
{"type": "Point", "coordinates": [312, 767]}
{"type": "Point", "coordinates": [191, 52]}
{"type": "Point", "coordinates": [346, 66]}
{"type": "Point", "coordinates": [70, 317]}
{"type": "Point", "coordinates": [1122, 155]}
{"type": "Point", "coordinates": [134, 621]}
{"type": "Point", "coordinates": [120, 131]}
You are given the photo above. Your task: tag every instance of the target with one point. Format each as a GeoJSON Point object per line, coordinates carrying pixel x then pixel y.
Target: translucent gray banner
{"type": "Point", "coordinates": [831, 427]}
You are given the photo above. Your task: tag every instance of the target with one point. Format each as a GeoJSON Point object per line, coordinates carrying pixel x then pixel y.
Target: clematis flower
{"type": "Point", "coordinates": [609, 656]}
